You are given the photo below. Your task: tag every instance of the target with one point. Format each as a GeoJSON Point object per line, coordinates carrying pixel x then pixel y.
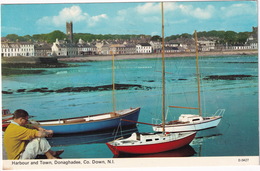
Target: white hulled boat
{"type": "Point", "coordinates": [191, 122]}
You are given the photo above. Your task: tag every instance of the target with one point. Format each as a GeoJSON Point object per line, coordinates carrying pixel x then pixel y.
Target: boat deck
{"type": "Point", "coordinates": [89, 118]}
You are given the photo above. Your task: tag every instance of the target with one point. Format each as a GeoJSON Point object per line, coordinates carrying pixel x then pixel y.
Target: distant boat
{"type": "Point", "coordinates": [147, 143]}
{"type": "Point", "coordinates": [6, 114]}
{"type": "Point", "coordinates": [191, 122]}
{"type": "Point", "coordinates": [6, 117]}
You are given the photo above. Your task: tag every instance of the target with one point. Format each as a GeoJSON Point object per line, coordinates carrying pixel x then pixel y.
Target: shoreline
{"type": "Point", "coordinates": [157, 55]}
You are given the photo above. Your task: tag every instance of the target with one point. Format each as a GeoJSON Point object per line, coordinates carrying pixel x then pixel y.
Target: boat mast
{"type": "Point", "coordinates": [197, 71]}
{"type": "Point", "coordinates": [163, 72]}
{"type": "Point", "coordinates": [113, 83]}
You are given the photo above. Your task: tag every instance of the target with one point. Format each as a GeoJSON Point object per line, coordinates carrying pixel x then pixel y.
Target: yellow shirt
{"type": "Point", "coordinates": [16, 138]}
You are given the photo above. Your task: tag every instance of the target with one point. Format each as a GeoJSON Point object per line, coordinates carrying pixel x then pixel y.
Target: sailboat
{"type": "Point", "coordinates": [191, 122]}
{"type": "Point", "coordinates": [147, 143]}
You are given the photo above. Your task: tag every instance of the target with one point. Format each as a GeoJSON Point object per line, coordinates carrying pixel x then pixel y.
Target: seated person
{"type": "Point", "coordinates": [24, 141]}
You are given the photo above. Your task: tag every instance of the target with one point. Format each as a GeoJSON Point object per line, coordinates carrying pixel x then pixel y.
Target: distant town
{"type": "Point", "coordinates": [142, 45]}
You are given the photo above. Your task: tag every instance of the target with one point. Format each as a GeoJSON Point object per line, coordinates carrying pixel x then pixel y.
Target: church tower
{"type": "Point", "coordinates": [69, 31]}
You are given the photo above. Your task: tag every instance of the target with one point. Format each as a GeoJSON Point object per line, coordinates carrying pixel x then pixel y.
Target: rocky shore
{"type": "Point", "coordinates": [147, 56]}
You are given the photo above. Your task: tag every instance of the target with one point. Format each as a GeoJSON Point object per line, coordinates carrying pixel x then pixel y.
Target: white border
{"type": "Point", "coordinates": [194, 163]}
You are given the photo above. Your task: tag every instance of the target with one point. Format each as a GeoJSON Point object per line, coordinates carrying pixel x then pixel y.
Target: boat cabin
{"type": "Point", "coordinates": [142, 138]}
{"type": "Point", "coordinates": [6, 112]}
{"type": "Point", "coordinates": [190, 118]}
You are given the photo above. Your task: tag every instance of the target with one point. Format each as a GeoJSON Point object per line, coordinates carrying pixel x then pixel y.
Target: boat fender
{"type": "Point", "coordinates": [167, 133]}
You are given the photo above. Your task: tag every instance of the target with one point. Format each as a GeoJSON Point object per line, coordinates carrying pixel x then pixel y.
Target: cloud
{"type": "Point", "coordinates": [145, 13]}
{"type": "Point", "coordinates": [148, 8]}
{"type": "Point", "coordinates": [199, 13]}
{"type": "Point", "coordinates": [92, 21]}
{"type": "Point", "coordinates": [74, 14]}
{"type": "Point", "coordinates": [154, 8]}
{"type": "Point", "coordinates": [238, 9]}
{"type": "Point", "coordinates": [151, 12]}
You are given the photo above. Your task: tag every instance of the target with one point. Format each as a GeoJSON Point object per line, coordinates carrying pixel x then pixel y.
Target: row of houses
{"type": "Point", "coordinates": [63, 48]}
{"type": "Point", "coordinates": [17, 49]}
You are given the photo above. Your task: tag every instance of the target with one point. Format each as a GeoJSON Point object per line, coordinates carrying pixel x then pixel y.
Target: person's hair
{"type": "Point", "coordinates": [20, 113]}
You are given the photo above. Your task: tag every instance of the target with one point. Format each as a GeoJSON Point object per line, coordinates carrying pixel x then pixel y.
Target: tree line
{"type": "Point", "coordinates": [222, 37]}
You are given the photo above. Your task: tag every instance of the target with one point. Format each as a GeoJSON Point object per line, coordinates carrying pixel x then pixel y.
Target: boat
{"type": "Point", "coordinates": [192, 122]}
{"type": "Point", "coordinates": [86, 123]}
{"type": "Point", "coordinates": [90, 122]}
{"type": "Point", "coordinates": [6, 117]}
{"type": "Point", "coordinates": [6, 114]}
{"type": "Point", "coordinates": [149, 143]}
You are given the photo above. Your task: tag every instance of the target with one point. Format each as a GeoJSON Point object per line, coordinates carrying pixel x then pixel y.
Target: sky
{"type": "Point", "coordinates": [133, 17]}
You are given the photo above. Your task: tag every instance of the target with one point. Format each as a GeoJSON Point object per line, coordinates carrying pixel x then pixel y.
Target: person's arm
{"type": "Point", "coordinates": [33, 126]}
{"type": "Point", "coordinates": [41, 131]}
{"type": "Point", "coordinates": [44, 133]}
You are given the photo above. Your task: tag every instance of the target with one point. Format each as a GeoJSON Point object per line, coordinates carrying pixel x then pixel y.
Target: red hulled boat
{"type": "Point", "coordinates": [147, 143]}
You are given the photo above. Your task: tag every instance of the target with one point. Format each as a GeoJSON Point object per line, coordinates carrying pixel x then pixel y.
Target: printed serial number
{"type": "Point", "coordinates": [243, 160]}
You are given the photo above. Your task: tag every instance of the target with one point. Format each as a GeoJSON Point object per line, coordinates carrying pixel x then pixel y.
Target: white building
{"type": "Point", "coordinates": [206, 45]}
{"type": "Point", "coordinates": [252, 40]}
{"type": "Point", "coordinates": [58, 49]}
{"type": "Point", "coordinates": [99, 45]}
{"type": "Point", "coordinates": [27, 49]}
{"type": "Point", "coordinates": [17, 49]}
{"type": "Point", "coordinates": [86, 48]}
{"type": "Point", "coordinates": [143, 48]}
{"type": "Point", "coordinates": [64, 49]}
{"type": "Point", "coordinates": [156, 46]}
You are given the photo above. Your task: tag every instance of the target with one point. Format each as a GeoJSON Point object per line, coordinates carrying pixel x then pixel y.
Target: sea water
{"type": "Point", "coordinates": [237, 93]}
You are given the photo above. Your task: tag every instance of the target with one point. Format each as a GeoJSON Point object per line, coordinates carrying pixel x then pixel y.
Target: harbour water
{"type": "Point", "coordinates": [236, 92]}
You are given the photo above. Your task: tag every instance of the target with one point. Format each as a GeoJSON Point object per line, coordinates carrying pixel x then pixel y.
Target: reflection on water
{"type": "Point", "coordinates": [185, 151]}
{"type": "Point", "coordinates": [92, 137]}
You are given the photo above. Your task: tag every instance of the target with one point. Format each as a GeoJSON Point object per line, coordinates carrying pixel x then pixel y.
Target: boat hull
{"type": "Point", "coordinates": [95, 125]}
{"type": "Point", "coordinates": [151, 148]}
{"type": "Point", "coordinates": [184, 127]}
